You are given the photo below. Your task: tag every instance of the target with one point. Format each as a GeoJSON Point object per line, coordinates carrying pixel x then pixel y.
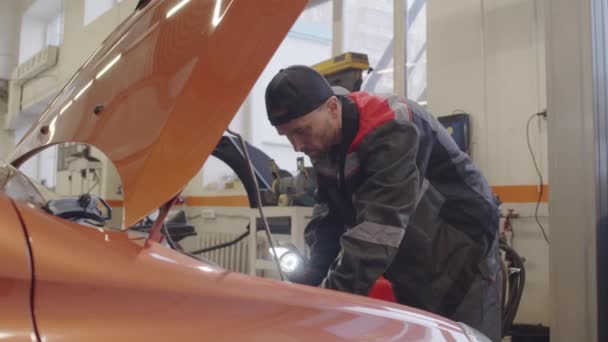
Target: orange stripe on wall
{"type": "Point", "coordinates": [219, 201]}
{"type": "Point", "coordinates": [507, 194]}
{"type": "Point", "coordinates": [520, 193]}
{"type": "Point", "coordinates": [209, 201]}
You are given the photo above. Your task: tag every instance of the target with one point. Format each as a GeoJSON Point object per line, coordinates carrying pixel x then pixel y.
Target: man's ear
{"type": "Point", "coordinates": [334, 106]}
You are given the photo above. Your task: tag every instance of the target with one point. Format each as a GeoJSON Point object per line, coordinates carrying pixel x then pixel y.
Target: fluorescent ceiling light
{"type": "Point", "coordinates": [83, 90]}
{"type": "Point", "coordinates": [177, 7]}
{"type": "Point", "coordinates": [107, 67]}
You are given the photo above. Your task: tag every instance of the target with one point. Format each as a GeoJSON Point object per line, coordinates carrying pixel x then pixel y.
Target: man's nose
{"type": "Point", "coordinates": [297, 144]}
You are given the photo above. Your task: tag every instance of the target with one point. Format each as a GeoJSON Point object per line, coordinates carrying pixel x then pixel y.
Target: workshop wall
{"type": "Point", "coordinates": [486, 57]}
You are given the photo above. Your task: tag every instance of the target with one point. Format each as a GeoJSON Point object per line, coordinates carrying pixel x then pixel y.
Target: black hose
{"type": "Point", "coordinates": [222, 245]}
{"type": "Point", "coordinates": [515, 281]}
{"type": "Point", "coordinates": [169, 239]}
{"type": "Point", "coordinates": [503, 285]}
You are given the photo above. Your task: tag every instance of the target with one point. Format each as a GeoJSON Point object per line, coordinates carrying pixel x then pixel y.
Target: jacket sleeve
{"type": "Point", "coordinates": [384, 203]}
{"type": "Point", "coordinates": [322, 236]}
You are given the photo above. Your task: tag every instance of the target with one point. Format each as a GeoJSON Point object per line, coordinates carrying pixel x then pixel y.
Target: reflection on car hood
{"type": "Point", "coordinates": [157, 95]}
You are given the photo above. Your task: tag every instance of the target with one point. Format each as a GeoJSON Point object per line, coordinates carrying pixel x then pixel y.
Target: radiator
{"type": "Point", "coordinates": [233, 258]}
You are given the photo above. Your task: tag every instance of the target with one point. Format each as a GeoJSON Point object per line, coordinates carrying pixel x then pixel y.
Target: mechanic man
{"type": "Point", "coordinates": [397, 198]}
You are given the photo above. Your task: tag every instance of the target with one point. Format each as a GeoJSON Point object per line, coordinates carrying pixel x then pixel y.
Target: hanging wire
{"type": "Point", "coordinates": [258, 200]}
{"type": "Point", "coordinates": [540, 176]}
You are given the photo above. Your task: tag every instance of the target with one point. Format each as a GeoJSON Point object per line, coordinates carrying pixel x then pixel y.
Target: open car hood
{"type": "Point", "coordinates": [159, 92]}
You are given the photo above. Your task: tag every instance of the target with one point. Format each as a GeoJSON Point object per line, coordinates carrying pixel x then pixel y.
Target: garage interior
{"type": "Point", "coordinates": [524, 80]}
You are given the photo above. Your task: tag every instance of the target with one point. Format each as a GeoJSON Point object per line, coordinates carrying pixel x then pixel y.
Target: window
{"type": "Point", "coordinates": [54, 30]}
{"type": "Point", "coordinates": [416, 50]}
{"type": "Point", "coordinates": [41, 25]}
{"type": "Point", "coordinates": [312, 34]}
{"type": "Point", "coordinates": [219, 177]}
{"type": "Point", "coordinates": [369, 29]}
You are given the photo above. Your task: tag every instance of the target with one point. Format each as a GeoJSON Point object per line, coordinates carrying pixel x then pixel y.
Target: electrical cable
{"type": "Point", "coordinates": [258, 198]}
{"type": "Point", "coordinates": [96, 181]}
{"type": "Point", "coordinates": [540, 176]}
{"type": "Point", "coordinates": [169, 238]}
{"type": "Point", "coordinates": [222, 245]}
{"type": "Point", "coordinates": [162, 215]}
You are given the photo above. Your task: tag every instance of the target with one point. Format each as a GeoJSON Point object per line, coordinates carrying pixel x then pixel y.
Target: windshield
{"type": "Point", "coordinates": [86, 208]}
{"type": "Point", "coordinates": [20, 188]}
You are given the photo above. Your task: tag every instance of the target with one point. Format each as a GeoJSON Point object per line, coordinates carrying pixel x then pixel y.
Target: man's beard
{"type": "Point", "coordinates": [315, 155]}
{"type": "Point", "coordinates": [319, 155]}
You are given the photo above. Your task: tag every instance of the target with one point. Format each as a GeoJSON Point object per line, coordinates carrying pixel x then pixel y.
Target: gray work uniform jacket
{"type": "Point", "coordinates": [399, 198]}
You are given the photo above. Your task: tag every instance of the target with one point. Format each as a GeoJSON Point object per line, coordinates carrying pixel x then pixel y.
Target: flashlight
{"type": "Point", "coordinates": [292, 262]}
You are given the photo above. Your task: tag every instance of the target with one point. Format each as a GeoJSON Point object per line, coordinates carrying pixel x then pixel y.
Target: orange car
{"type": "Point", "coordinates": [159, 91]}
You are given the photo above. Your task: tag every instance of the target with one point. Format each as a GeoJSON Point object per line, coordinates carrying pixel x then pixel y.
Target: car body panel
{"type": "Point", "coordinates": [15, 276]}
{"type": "Point", "coordinates": [160, 91]}
{"type": "Point", "coordinates": [99, 285]}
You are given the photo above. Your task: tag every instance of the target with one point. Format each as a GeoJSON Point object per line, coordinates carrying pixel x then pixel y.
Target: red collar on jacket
{"type": "Point", "coordinates": [374, 111]}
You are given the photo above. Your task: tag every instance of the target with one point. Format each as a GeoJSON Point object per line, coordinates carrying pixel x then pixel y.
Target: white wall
{"type": "Point", "coordinates": [10, 25]}
{"type": "Point", "coordinates": [93, 8]}
{"type": "Point", "coordinates": [9, 39]}
{"type": "Point", "coordinates": [6, 141]}
{"type": "Point", "coordinates": [486, 57]}
{"type": "Point", "coordinates": [576, 79]}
